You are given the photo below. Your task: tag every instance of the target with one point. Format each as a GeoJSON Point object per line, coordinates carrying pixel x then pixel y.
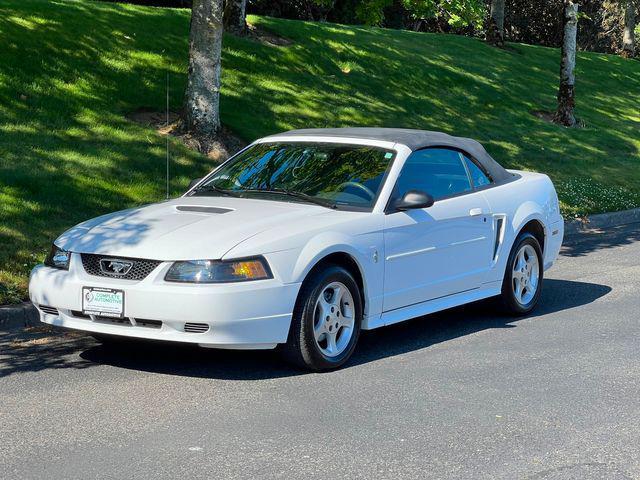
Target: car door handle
{"type": "Point", "coordinates": [474, 212]}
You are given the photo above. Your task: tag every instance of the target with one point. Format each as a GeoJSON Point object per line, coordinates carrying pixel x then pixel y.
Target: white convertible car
{"type": "Point", "coordinates": [305, 238]}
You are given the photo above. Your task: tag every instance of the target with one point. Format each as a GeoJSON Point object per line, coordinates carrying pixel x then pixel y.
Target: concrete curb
{"type": "Point", "coordinates": [18, 316]}
{"type": "Point", "coordinates": [600, 221]}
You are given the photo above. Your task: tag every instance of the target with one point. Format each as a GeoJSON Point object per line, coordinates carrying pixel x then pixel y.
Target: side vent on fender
{"type": "Point", "coordinates": [499, 236]}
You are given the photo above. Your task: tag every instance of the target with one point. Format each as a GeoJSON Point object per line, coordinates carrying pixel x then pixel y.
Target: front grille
{"type": "Point", "coordinates": [196, 327]}
{"type": "Point", "coordinates": [125, 322]}
{"type": "Point", "coordinates": [142, 322]}
{"type": "Point", "coordinates": [49, 310]}
{"type": "Point", "coordinates": [140, 269]}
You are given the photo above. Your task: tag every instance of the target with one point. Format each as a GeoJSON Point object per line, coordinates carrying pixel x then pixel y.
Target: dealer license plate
{"type": "Point", "coordinates": [105, 302]}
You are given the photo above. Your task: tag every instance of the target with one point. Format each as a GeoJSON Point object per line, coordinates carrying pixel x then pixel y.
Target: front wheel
{"type": "Point", "coordinates": [326, 322]}
{"type": "Point", "coordinates": [522, 282]}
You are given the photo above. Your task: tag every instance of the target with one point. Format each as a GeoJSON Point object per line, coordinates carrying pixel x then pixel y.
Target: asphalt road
{"type": "Point", "coordinates": [461, 394]}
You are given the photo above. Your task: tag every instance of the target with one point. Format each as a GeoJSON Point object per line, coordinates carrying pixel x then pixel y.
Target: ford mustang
{"type": "Point", "coordinates": [304, 239]}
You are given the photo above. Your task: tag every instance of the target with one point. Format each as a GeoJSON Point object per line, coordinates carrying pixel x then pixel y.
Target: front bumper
{"type": "Point", "coordinates": [238, 315]}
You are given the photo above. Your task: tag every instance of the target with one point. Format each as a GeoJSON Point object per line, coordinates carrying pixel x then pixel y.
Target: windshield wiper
{"type": "Point", "coordinates": [291, 193]}
{"type": "Point", "coordinates": [212, 188]}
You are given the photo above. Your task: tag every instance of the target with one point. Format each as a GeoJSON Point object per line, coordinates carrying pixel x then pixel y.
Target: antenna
{"type": "Point", "coordinates": [167, 135]}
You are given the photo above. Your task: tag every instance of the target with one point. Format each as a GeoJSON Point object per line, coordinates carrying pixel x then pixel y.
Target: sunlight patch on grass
{"type": "Point", "coordinates": [30, 22]}
{"type": "Point", "coordinates": [119, 64]}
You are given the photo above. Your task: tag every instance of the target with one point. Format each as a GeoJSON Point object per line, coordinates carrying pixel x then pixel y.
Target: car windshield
{"type": "Point", "coordinates": [328, 174]}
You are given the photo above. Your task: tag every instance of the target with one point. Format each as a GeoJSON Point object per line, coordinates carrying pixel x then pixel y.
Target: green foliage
{"type": "Point", "coordinates": [371, 12]}
{"type": "Point", "coordinates": [71, 71]}
{"type": "Point", "coordinates": [458, 13]}
{"type": "Point", "coordinates": [422, 8]}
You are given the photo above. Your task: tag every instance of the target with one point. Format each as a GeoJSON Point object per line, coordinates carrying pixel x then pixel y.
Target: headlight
{"type": "Point", "coordinates": [58, 258]}
{"type": "Point", "coordinates": [218, 271]}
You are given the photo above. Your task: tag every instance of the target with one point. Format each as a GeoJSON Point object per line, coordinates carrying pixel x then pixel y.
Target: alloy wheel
{"type": "Point", "coordinates": [525, 275]}
{"type": "Point", "coordinates": [334, 319]}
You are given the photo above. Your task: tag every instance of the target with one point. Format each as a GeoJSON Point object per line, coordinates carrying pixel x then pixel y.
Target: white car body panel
{"type": "Point", "coordinates": [542, 205]}
{"type": "Point", "coordinates": [412, 263]}
{"type": "Point", "coordinates": [437, 251]}
{"type": "Point", "coordinates": [155, 230]}
{"type": "Point", "coordinates": [236, 322]}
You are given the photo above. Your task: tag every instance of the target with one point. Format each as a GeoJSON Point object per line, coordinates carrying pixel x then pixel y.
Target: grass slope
{"type": "Point", "coordinates": [71, 70]}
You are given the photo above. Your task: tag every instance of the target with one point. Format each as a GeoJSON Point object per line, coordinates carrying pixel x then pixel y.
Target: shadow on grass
{"type": "Point", "coordinates": [191, 361]}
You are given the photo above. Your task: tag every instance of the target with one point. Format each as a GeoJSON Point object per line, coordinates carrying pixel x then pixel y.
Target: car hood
{"type": "Point", "coordinates": [186, 228]}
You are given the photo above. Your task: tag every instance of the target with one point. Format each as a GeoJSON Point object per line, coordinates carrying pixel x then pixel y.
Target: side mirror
{"type": "Point", "coordinates": [193, 183]}
{"type": "Point", "coordinates": [414, 199]}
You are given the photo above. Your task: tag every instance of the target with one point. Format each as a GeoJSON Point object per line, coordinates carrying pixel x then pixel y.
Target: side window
{"type": "Point", "coordinates": [478, 176]}
{"type": "Point", "coordinates": [437, 171]}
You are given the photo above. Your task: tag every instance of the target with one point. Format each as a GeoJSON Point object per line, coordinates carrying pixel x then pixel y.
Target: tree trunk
{"type": "Point", "coordinates": [235, 17]}
{"type": "Point", "coordinates": [495, 26]}
{"type": "Point", "coordinates": [202, 97]}
{"type": "Point", "coordinates": [566, 95]}
{"type": "Point", "coordinates": [629, 37]}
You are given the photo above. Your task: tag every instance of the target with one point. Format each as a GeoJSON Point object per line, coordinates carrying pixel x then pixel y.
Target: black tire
{"type": "Point", "coordinates": [508, 300]}
{"type": "Point", "coordinates": [301, 348]}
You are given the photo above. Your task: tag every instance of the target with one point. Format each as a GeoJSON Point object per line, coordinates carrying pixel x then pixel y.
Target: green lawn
{"type": "Point", "coordinates": [70, 71]}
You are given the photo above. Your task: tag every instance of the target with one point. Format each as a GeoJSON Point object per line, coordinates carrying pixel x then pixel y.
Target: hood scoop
{"type": "Point", "coordinates": [200, 209]}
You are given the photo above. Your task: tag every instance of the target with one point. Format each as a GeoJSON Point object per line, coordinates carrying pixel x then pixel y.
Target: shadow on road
{"type": "Point", "coordinates": [41, 348]}
{"type": "Point", "coordinates": [386, 342]}
{"type": "Point", "coordinates": [586, 243]}
{"type": "Point", "coordinates": [184, 360]}
{"type": "Point", "coordinates": [558, 295]}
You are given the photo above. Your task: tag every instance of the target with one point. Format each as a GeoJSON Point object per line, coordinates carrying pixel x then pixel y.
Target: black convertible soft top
{"type": "Point", "coordinates": [414, 140]}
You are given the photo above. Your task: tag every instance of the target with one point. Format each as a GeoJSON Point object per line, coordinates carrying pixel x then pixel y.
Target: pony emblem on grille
{"type": "Point", "coordinates": [115, 267]}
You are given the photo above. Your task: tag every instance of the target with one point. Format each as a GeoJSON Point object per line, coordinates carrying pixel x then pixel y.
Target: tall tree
{"type": "Point", "coordinates": [495, 26]}
{"type": "Point", "coordinates": [629, 36]}
{"type": "Point", "coordinates": [202, 96]}
{"type": "Point", "coordinates": [235, 16]}
{"type": "Point", "coordinates": [566, 93]}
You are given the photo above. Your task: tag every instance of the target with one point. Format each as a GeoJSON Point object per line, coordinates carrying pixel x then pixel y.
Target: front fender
{"type": "Point", "coordinates": [367, 252]}
{"type": "Point", "coordinates": [292, 251]}
{"type": "Point", "coordinates": [365, 249]}
{"type": "Point", "coordinates": [324, 245]}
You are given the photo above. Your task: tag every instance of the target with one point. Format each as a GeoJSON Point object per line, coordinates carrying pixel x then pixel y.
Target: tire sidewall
{"type": "Point", "coordinates": [311, 352]}
{"type": "Point", "coordinates": [507, 287]}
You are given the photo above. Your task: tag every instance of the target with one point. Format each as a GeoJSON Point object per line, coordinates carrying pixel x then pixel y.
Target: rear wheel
{"type": "Point", "coordinates": [522, 282]}
{"type": "Point", "coordinates": [326, 323]}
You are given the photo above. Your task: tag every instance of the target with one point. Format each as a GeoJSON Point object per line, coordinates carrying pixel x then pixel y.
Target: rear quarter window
{"type": "Point", "coordinates": [479, 178]}
{"type": "Point", "coordinates": [439, 172]}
